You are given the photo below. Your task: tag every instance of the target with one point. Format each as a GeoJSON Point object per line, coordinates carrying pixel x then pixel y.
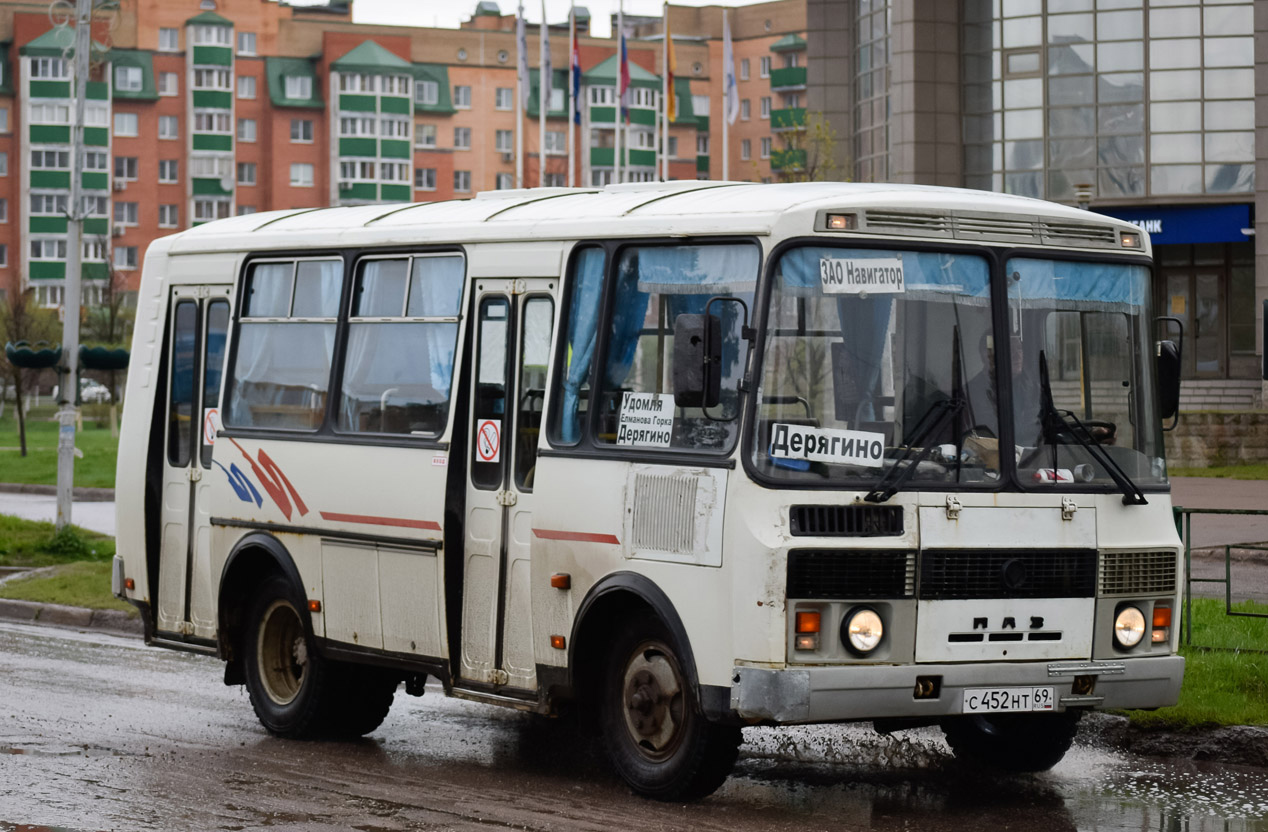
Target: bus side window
{"type": "Point", "coordinates": [180, 411]}
{"type": "Point", "coordinates": [583, 326]}
{"type": "Point", "coordinates": [213, 362]}
{"type": "Point", "coordinates": [531, 390]}
{"type": "Point", "coordinates": [490, 394]}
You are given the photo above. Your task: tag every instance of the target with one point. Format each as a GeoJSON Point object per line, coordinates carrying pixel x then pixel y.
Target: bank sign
{"type": "Point", "coordinates": [1188, 224]}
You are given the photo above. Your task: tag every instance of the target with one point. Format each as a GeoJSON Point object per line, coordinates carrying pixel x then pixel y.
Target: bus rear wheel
{"type": "Point", "coordinates": [654, 733]}
{"type": "Point", "coordinates": [1012, 742]}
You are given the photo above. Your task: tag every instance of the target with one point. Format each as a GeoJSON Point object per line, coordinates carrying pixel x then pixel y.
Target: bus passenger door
{"type": "Point", "coordinates": [511, 351]}
{"type": "Point", "coordinates": [199, 323]}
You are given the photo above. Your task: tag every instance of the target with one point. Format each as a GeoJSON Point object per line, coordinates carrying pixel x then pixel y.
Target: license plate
{"type": "Point", "coordinates": [995, 700]}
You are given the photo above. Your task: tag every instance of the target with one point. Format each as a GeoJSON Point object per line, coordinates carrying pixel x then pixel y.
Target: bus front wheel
{"type": "Point", "coordinates": [1012, 742]}
{"type": "Point", "coordinates": [655, 735]}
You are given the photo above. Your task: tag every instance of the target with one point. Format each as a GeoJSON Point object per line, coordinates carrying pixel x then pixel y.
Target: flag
{"type": "Point", "coordinates": [671, 68]}
{"type": "Point", "coordinates": [545, 70]}
{"type": "Point", "coordinates": [521, 48]}
{"type": "Point", "coordinates": [576, 70]}
{"type": "Point", "coordinates": [731, 92]}
{"type": "Point", "coordinates": [623, 86]}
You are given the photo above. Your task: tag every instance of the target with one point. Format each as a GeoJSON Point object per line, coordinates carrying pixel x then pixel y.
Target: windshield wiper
{"type": "Point", "coordinates": [1055, 424]}
{"type": "Point", "coordinates": [932, 421]}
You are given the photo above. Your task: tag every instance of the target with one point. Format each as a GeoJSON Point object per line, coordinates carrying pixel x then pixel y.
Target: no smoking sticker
{"type": "Point", "coordinates": [488, 440]}
{"type": "Point", "coordinates": [211, 424]}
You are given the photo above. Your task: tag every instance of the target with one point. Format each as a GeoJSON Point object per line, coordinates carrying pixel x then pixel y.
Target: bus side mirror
{"type": "Point", "coordinates": [1168, 379]}
{"type": "Point", "coordinates": [697, 360]}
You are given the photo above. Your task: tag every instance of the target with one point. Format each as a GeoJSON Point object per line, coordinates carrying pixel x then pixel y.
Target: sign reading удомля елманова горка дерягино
{"type": "Point", "coordinates": [839, 275]}
{"type": "Point", "coordinates": [646, 419]}
{"type": "Point", "coordinates": [841, 447]}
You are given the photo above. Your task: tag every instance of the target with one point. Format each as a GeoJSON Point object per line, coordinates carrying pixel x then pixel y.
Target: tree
{"type": "Point", "coordinates": [109, 323]}
{"type": "Point", "coordinates": [22, 319]}
{"type": "Point", "coordinates": [811, 155]}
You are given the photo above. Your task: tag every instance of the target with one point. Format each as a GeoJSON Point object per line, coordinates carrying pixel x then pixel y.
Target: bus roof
{"type": "Point", "coordinates": [667, 208]}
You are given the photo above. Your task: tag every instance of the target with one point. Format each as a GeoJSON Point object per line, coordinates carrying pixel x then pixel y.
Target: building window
{"type": "Point", "coordinates": [766, 106]}
{"type": "Point", "coordinates": [125, 213]}
{"type": "Point", "coordinates": [169, 84]}
{"type": "Point", "coordinates": [50, 159]}
{"type": "Point", "coordinates": [243, 210]}
{"type": "Point", "coordinates": [169, 40]}
{"type": "Point", "coordinates": [357, 126]}
{"type": "Point", "coordinates": [212, 35]}
{"type": "Point", "coordinates": [299, 86]}
{"type": "Point", "coordinates": [125, 257]}
{"type": "Point", "coordinates": [643, 139]}
{"type": "Point", "coordinates": [301, 130]}
{"type": "Point", "coordinates": [48, 204]}
{"type": "Point", "coordinates": [792, 99]}
{"type": "Point", "coordinates": [672, 149]}
{"type": "Point", "coordinates": [644, 98]}
{"type": "Point", "coordinates": [246, 43]}
{"type": "Point", "coordinates": [702, 145]}
{"type": "Point", "coordinates": [743, 69]}
{"type": "Point", "coordinates": [4, 119]}
{"type": "Point", "coordinates": [503, 141]}
{"type": "Point", "coordinates": [125, 124]}
{"type": "Point", "coordinates": [394, 171]}
{"type": "Point", "coordinates": [504, 98]}
{"type": "Point", "coordinates": [127, 78]}
{"type": "Point", "coordinates": [555, 180]}
{"type": "Point", "coordinates": [4, 163]}
{"type": "Point", "coordinates": [425, 179]}
{"type": "Point", "coordinates": [746, 149]}
{"type": "Point", "coordinates": [169, 127]}
{"type": "Point", "coordinates": [602, 96]}
{"type": "Point", "coordinates": [462, 181]}
{"type": "Point", "coordinates": [48, 249]}
{"type": "Point", "coordinates": [246, 173]}
{"type": "Point", "coordinates": [246, 129]}
{"type": "Point", "coordinates": [504, 182]}
{"type": "Point", "coordinates": [210, 167]}
{"type": "Point", "coordinates": [556, 142]}
{"type": "Point", "coordinates": [395, 85]}
{"type": "Point", "coordinates": [4, 209]}
{"type": "Point", "coordinates": [125, 168]}
{"type": "Point", "coordinates": [97, 206]}
{"type": "Point", "coordinates": [246, 86]}
{"type": "Point", "coordinates": [556, 99]}
{"type": "Point", "coordinates": [301, 175]}
{"type": "Point", "coordinates": [462, 97]}
{"type": "Point", "coordinates": [4, 255]}
{"type": "Point", "coordinates": [211, 79]}
{"type": "Point", "coordinates": [764, 67]}
{"type": "Point", "coordinates": [744, 110]}
{"type": "Point", "coordinates": [49, 68]}
{"type": "Point", "coordinates": [169, 171]}
{"type": "Point", "coordinates": [355, 82]}
{"type": "Point", "coordinates": [394, 128]}
{"type": "Point", "coordinates": [96, 160]}
{"type": "Point", "coordinates": [212, 123]}
{"type": "Point", "coordinates": [206, 210]}
{"type": "Point", "coordinates": [462, 138]}
{"type": "Point", "coordinates": [426, 93]}
{"type": "Point", "coordinates": [424, 135]}
{"type": "Point", "coordinates": [600, 178]}
{"type": "Point", "coordinates": [766, 147]}
{"type": "Point", "coordinates": [58, 114]}
{"type": "Point", "coordinates": [169, 216]}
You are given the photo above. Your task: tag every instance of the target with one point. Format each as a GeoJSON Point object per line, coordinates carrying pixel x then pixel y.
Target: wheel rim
{"type": "Point", "coordinates": [652, 700]}
{"type": "Point", "coordinates": [282, 652]}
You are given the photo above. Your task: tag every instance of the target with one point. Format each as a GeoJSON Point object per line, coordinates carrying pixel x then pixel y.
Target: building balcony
{"type": "Point", "coordinates": [788, 118]}
{"type": "Point", "coordinates": [788, 160]}
{"type": "Point", "coordinates": [788, 78]}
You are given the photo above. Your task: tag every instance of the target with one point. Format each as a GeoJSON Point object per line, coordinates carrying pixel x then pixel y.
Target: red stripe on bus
{"type": "Point", "coordinates": [583, 537]}
{"type": "Point", "coordinates": [369, 520]}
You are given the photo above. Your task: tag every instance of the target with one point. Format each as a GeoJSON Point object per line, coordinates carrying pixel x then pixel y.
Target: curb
{"type": "Point", "coordinates": [116, 622]}
{"type": "Point", "coordinates": [81, 494]}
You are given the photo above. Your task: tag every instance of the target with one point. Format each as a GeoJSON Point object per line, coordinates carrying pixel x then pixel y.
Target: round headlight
{"type": "Point", "coordinates": [862, 630]}
{"type": "Point", "coordinates": [1129, 627]}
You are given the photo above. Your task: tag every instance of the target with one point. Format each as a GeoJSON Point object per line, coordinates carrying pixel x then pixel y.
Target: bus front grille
{"type": "Point", "coordinates": [996, 573]}
{"type": "Point", "coordinates": [843, 573]}
{"type": "Point", "coordinates": [1138, 573]}
{"type": "Point", "coordinates": [845, 521]}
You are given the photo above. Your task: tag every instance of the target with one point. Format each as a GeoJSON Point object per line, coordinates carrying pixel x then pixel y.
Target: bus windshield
{"type": "Point", "coordinates": [871, 353]}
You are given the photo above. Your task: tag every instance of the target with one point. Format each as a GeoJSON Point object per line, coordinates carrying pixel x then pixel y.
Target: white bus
{"type": "Point", "coordinates": [687, 456]}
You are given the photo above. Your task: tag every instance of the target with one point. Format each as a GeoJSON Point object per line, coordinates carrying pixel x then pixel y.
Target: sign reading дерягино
{"type": "Point", "coordinates": [848, 275]}
{"type": "Point", "coordinates": [840, 447]}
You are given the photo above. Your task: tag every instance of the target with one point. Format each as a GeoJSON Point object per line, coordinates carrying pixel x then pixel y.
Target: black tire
{"type": "Point", "coordinates": [365, 696]}
{"type": "Point", "coordinates": [1012, 742]}
{"type": "Point", "coordinates": [293, 690]}
{"type": "Point", "coordinates": [653, 731]}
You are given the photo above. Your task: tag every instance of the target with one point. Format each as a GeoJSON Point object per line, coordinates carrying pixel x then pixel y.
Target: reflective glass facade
{"type": "Point", "coordinates": [871, 91]}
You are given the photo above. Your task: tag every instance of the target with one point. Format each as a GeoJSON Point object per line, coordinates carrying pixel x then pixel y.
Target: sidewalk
{"type": "Point", "coordinates": [96, 516]}
{"type": "Point", "coordinates": [1211, 492]}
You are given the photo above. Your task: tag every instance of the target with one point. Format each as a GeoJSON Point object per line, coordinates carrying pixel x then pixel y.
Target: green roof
{"type": "Point", "coordinates": [143, 61]}
{"type": "Point", "coordinates": [487, 8]}
{"type": "Point", "coordinates": [209, 19]}
{"type": "Point", "coordinates": [57, 42]}
{"type": "Point", "coordinates": [6, 71]}
{"type": "Point", "coordinates": [558, 81]}
{"type": "Point", "coordinates": [789, 43]}
{"type": "Point", "coordinates": [604, 75]}
{"type": "Point", "coordinates": [277, 70]}
{"type": "Point", "coordinates": [370, 57]}
{"type": "Point", "coordinates": [439, 73]}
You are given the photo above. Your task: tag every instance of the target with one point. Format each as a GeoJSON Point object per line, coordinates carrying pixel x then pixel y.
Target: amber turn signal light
{"type": "Point", "coordinates": [557, 642]}
{"type": "Point", "coordinates": [128, 583]}
{"type": "Point", "coordinates": [1162, 616]}
{"type": "Point", "coordinates": [807, 622]}
{"type": "Point", "coordinates": [561, 580]}
{"type": "Point", "coordinates": [314, 605]}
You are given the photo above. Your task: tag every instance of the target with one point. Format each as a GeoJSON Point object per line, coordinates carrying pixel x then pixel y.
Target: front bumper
{"type": "Point", "coordinates": [827, 694]}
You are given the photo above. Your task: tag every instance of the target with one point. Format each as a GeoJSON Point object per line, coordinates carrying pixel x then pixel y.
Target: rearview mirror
{"type": "Point", "coordinates": [697, 360]}
{"type": "Point", "coordinates": [1168, 379]}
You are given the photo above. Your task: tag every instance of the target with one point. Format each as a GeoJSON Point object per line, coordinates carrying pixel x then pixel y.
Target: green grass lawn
{"type": "Point", "coordinates": [33, 543]}
{"type": "Point", "coordinates": [82, 584]}
{"type": "Point", "coordinates": [1249, 471]}
{"type": "Point", "coordinates": [39, 466]}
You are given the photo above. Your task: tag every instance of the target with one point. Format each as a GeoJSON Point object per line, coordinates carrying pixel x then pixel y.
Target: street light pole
{"type": "Point", "coordinates": [68, 390]}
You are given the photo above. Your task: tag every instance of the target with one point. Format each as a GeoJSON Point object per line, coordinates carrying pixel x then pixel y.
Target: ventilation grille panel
{"type": "Point", "coordinates": [665, 513]}
{"type": "Point", "coordinates": [911, 222]}
{"type": "Point", "coordinates": [983, 226]}
{"type": "Point", "coordinates": [1138, 573]}
{"type": "Point", "coordinates": [845, 521]}
{"type": "Point", "coordinates": [837, 573]}
{"type": "Point", "coordinates": [1078, 234]}
{"type": "Point", "coordinates": [996, 573]}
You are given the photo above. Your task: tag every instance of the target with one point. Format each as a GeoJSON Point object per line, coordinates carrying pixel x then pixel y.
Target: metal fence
{"type": "Point", "coordinates": [1184, 525]}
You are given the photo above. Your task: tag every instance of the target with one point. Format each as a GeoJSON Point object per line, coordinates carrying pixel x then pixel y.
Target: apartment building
{"type": "Point", "coordinates": [204, 109]}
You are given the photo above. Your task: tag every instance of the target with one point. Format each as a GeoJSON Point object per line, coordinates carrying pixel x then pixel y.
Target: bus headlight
{"type": "Point", "coordinates": [1129, 627]}
{"type": "Point", "coordinates": [862, 630]}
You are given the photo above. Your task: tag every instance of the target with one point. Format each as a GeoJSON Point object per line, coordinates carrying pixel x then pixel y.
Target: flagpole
{"type": "Point", "coordinates": [725, 93]}
{"type": "Point", "coordinates": [663, 112]}
{"type": "Point", "coordinates": [520, 103]}
{"type": "Point", "coordinates": [543, 67]}
{"type": "Point", "coordinates": [620, 120]}
{"type": "Point", "coordinates": [572, 94]}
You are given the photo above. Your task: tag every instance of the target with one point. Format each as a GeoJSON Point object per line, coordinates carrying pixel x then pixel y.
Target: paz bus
{"type": "Point", "coordinates": [685, 457]}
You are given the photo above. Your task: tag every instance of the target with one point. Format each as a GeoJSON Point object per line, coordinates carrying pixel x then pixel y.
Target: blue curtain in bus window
{"type": "Point", "coordinates": [583, 323]}
{"type": "Point", "coordinates": [436, 291]}
{"type": "Point", "coordinates": [930, 276]}
{"type": "Point", "coordinates": [866, 321]}
{"type": "Point", "coordinates": [629, 312]}
{"type": "Point", "coordinates": [1097, 287]}
{"type": "Point", "coordinates": [698, 270]}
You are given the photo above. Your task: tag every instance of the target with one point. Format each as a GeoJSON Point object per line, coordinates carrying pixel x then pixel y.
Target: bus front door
{"type": "Point", "coordinates": [511, 347]}
{"type": "Point", "coordinates": [198, 324]}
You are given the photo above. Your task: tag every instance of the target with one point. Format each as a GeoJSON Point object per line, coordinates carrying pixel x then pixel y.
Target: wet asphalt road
{"type": "Point", "coordinates": [98, 732]}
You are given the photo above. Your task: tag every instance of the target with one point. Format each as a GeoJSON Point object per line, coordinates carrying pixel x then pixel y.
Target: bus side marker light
{"type": "Point", "coordinates": [128, 583]}
{"type": "Point", "coordinates": [557, 642]}
{"type": "Point", "coordinates": [1162, 625]}
{"type": "Point", "coordinates": [314, 605]}
{"type": "Point", "coordinates": [561, 580]}
{"type": "Point", "coordinates": [842, 222]}
{"type": "Point", "coordinates": [1130, 239]}
{"type": "Point", "coordinates": [807, 641]}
